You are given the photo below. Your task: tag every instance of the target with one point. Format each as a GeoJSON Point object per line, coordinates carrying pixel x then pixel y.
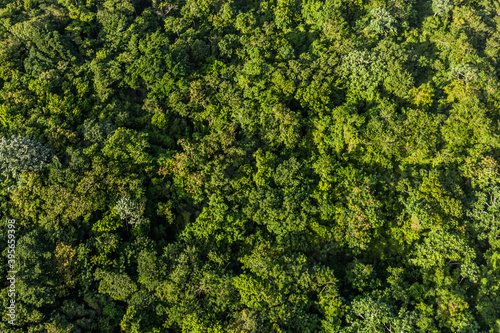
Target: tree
{"type": "Point", "coordinates": [19, 154]}
{"type": "Point", "coordinates": [382, 21]}
{"type": "Point", "coordinates": [484, 212]}
{"type": "Point", "coordinates": [371, 315]}
{"type": "Point", "coordinates": [441, 7]}
{"type": "Point", "coordinates": [129, 211]}
{"type": "Point", "coordinates": [119, 286]}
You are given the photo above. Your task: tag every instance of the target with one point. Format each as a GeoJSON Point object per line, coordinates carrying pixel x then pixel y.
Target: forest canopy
{"type": "Point", "coordinates": [252, 166]}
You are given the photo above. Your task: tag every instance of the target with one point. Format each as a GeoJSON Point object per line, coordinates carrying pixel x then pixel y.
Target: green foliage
{"type": "Point", "coordinates": [129, 211]}
{"type": "Point", "coordinates": [19, 154]}
{"type": "Point", "coordinates": [382, 21]}
{"type": "Point", "coordinates": [441, 7]}
{"type": "Point", "coordinates": [126, 146]}
{"type": "Point", "coordinates": [96, 132]}
{"type": "Point", "coordinates": [484, 211]}
{"type": "Point", "coordinates": [118, 286]}
{"type": "Point", "coordinates": [442, 248]}
{"type": "Point", "coordinates": [369, 315]}
{"type": "Point", "coordinates": [251, 166]}
{"type": "Point", "coordinates": [277, 286]}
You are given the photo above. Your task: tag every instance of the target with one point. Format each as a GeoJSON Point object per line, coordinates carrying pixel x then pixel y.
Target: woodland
{"type": "Point", "coordinates": [251, 166]}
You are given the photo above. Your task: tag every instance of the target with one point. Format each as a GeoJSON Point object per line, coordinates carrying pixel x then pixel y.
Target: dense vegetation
{"type": "Point", "coordinates": [251, 166]}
